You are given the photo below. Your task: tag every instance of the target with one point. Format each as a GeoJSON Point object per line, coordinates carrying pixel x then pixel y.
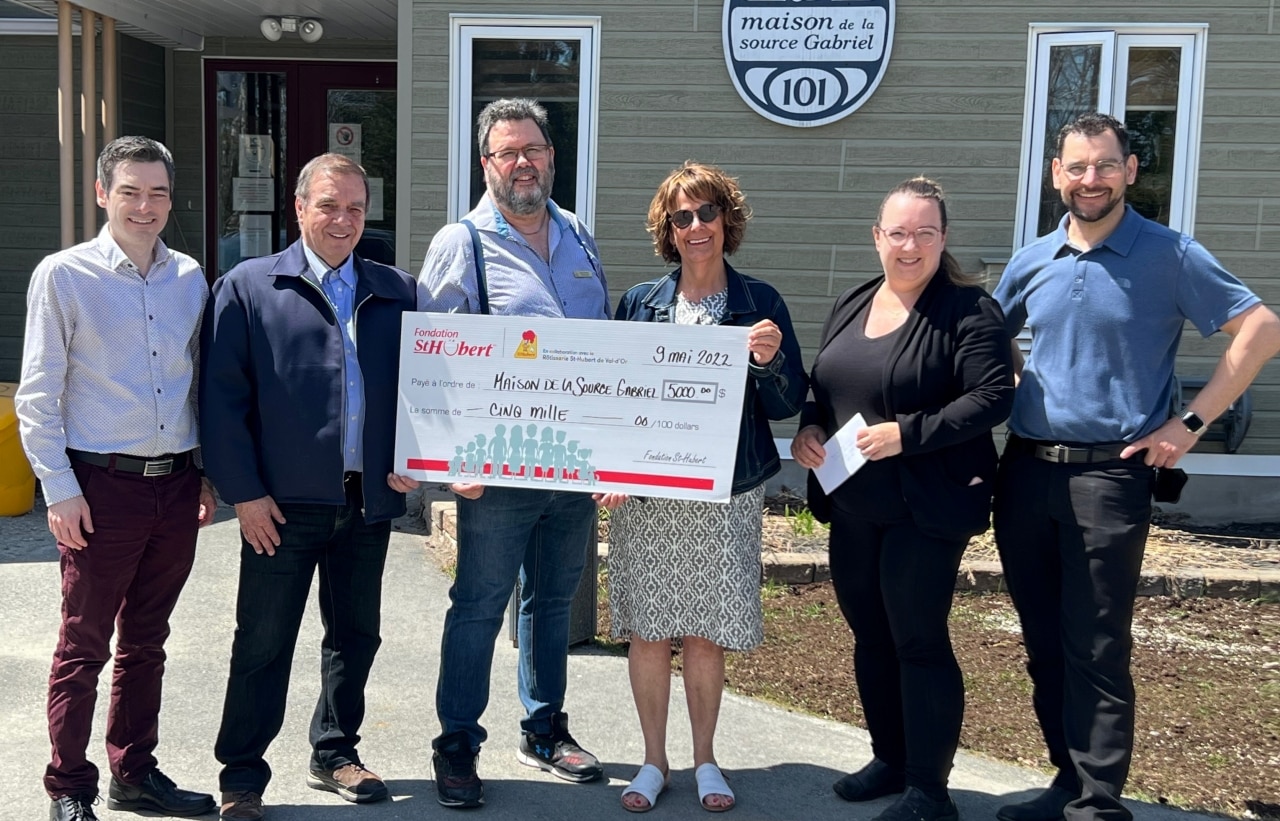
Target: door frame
{"type": "Point", "coordinates": [309, 96]}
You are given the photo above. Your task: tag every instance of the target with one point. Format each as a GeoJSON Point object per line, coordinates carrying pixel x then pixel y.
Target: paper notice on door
{"type": "Point", "coordinates": [373, 213]}
{"type": "Point", "coordinates": [344, 139]}
{"type": "Point", "coordinates": [843, 457]}
{"type": "Point", "coordinates": [253, 194]}
{"type": "Point", "coordinates": [257, 152]}
{"type": "Point", "coordinates": [255, 235]}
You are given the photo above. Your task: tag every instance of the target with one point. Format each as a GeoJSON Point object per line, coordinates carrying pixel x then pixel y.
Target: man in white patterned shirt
{"type": "Point", "coordinates": [106, 411]}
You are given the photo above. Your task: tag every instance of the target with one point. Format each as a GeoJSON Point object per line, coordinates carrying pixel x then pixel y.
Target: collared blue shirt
{"type": "Point", "coordinates": [339, 286]}
{"type": "Point", "coordinates": [520, 282]}
{"type": "Point", "coordinates": [1105, 326]}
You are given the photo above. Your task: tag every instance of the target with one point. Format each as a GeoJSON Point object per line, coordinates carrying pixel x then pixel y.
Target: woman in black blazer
{"type": "Point", "coordinates": [922, 354]}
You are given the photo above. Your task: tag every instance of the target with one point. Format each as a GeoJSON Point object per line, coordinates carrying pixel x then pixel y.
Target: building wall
{"type": "Point", "coordinates": [950, 106]}
{"type": "Point", "coordinates": [28, 180]}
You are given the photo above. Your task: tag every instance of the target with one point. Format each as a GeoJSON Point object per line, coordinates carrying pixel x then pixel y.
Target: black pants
{"type": "Point", "coordinates": [350, 556]}
{"type": "Point", "coordinates": [1071, 539]}
{"type": "Point", "coordinates": [895, 585]}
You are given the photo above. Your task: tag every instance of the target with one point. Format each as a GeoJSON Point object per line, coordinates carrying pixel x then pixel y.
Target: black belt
{"type": "Point", "coordinates": [154, 466]}
{"type": "Point", "coordinates": [1067, 454]}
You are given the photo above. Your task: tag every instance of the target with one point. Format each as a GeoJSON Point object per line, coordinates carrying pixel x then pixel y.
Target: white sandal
{"type": "Point", "coordinates": [711, 782]}
{"type": "Point", "coordinates": [648, 784]}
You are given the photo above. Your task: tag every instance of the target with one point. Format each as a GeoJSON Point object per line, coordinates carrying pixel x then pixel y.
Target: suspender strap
{"type": "Point", "coordinates": [482, 284]}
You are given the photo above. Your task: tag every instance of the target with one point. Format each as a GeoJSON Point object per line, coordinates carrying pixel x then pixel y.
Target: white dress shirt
{"type": "Point", "coordinates": [109, 359]}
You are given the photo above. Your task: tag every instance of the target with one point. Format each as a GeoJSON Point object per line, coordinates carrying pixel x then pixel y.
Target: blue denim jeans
{"type": "Point", "coordinates": [541, 536]}
{"type": "Point", "coordinates": [350, 556]}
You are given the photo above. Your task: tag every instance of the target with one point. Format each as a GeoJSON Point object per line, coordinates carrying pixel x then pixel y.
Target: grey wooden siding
{"type": "Point", "coordinates": [28, 178]}
{"type": "Point", "coordinates": [950, 106]}
{"type": "Point", "coordinates": [29, 162]}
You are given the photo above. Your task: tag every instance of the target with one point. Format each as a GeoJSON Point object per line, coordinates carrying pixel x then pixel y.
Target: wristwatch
{"type": "Point", "coordinates": [1194, 423]}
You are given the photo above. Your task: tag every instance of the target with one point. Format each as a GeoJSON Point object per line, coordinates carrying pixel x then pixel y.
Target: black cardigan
{"type": "Point", "coordinates": [954, 356]}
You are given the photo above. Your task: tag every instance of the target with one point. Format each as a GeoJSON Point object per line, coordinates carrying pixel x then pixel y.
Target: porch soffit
{"type": "Point", "coordinates": [183, 24]}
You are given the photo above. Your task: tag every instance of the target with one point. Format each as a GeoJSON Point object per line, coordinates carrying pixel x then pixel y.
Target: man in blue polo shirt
{"type": "Point", "coordinates": [1105, 297]}
{"type": "Point", "coordinates": [536, 260]}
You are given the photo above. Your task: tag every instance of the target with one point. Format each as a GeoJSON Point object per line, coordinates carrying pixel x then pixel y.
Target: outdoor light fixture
{"type": "Point", "coordinates": [271, 29]}
{"type": "Point", "coordinates": [308, 30]}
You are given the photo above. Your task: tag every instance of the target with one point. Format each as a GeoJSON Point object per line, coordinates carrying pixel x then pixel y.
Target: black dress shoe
{"type": "Point", "coordinates": [158, 793]}
{"type": "Point", "coordinates": [872, 781]}
{"type": "Point", "coordinates": [1047, 806]}
{"type": "Point", "coordinates": [914, 805]}
{"type": "Point", "coordinates": [73, 808]}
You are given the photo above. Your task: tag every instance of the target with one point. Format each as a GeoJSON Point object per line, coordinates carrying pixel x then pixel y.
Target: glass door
{"type": "Point", "coordinates": [264, 121]}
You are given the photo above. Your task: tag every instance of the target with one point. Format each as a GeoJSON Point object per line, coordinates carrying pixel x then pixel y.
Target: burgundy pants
{"type": "Point", "coordinates": [128, 578]}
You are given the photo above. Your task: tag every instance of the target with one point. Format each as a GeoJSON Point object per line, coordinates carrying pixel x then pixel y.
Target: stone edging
{"type": "Point", "coordinates": [981, 577]}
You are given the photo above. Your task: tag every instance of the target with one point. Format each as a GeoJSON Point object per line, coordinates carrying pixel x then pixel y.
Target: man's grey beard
{"type": "Point", "coordinates": [523, 204]}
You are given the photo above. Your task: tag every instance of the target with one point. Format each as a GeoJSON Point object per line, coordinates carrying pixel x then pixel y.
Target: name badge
{"type": "Point", "coordinates": [584, 274]}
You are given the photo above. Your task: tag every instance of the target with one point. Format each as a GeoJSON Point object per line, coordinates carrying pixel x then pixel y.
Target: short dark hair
{"type": "Point", "coordinates": [510, 108]}
{"type": "Point", "coordinates": [132, 149]}
{"type": "Point", "coordinates": [926, 189]}
{"type": "Point", "coordinates": [1093, 124]}
{"type": "Point", "coordinates": [697, 181]}
{"type": "Point", "coordinates": [335, 164]}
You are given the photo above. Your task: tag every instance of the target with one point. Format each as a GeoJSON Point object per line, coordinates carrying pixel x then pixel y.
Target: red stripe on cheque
{"type": "Point", "coordinates": [656, 480]}
{"type": "Point", "coordinates": [649, 479]}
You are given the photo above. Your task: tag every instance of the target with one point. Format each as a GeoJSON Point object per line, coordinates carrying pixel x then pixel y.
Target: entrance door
{"type": "Point", "coordinates": [264, 121]}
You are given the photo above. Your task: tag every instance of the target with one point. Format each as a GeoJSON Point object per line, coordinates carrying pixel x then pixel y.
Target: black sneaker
{"type": "Point", "coordinates": [454, 761]}
{"type": "Point", "coordinates": [558, 753]}
{"type": "Point", "coordinates": [914, 805]}
{"type": "Point", "coordinates": [157, 793]}
{"type": "Point", "coordinates": [73, 808]}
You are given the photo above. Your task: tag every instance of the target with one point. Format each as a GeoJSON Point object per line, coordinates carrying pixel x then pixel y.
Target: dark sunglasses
{"type": "Point", "coordinates": [684, 217]}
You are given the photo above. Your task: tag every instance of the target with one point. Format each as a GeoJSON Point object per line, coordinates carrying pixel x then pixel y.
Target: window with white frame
{"type": "Point", "coordinates": [1149, 77]}
{"type": "Point", "coordinates": [554, 60]}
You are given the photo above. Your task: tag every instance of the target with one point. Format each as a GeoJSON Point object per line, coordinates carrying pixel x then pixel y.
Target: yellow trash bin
{"type": "Point", "coordinates": [17, 482]}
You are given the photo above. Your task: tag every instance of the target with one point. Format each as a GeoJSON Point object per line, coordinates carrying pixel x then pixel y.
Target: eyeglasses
{"type": "Point", "coordinates": [1104, 169]}
{"type": "Point", "coordinates": [707, 212]}
{"type": "Point", "coordinates": [532, 153]}
{"type": "Point", "coordinates": [897, 237]}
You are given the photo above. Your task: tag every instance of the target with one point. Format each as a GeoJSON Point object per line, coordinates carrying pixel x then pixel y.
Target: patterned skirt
{"type": "Point", "coordinates": [683, 568]}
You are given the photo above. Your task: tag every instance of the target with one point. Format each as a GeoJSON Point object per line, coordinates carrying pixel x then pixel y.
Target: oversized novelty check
{"type": "Point", "coordinates": [646, 408]}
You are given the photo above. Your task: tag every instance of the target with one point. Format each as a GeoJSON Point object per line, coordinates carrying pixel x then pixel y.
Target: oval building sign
{"type": "Point", "coordinates": [807, 62]}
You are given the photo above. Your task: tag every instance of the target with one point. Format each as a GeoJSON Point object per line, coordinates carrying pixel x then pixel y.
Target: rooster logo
{"type": "Point", "coordinates": [528, 347]}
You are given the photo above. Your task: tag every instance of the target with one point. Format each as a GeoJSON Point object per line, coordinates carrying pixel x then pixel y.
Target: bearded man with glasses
{"type": "Point", "coordinates": [516, 254]}
{"type": "Point", "coordinates": [1105, 297]}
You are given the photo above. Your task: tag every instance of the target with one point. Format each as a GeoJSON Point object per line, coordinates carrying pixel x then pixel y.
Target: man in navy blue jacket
{"type": "Point", "coordinates": [298, 385]}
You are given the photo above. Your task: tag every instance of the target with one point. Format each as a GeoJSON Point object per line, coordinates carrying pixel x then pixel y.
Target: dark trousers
{"type": "Point", "coordinates": [895, 586]}
{"type": "Point", "coordinates": [350, 555]}
{"type": "Point", "coordinates": [1071, 539]}
{"type": "Point", "coordinates": [129, 578]}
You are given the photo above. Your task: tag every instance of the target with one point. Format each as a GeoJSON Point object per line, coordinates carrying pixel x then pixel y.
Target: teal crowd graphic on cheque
{"type": "Point", "coordinates": [524, 454]}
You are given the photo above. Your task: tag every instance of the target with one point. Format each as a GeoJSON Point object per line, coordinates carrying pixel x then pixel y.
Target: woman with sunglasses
{"type": "Point", "coordinates": [690, 570]}
{"type": "Point", "coordinates": [921, 353]}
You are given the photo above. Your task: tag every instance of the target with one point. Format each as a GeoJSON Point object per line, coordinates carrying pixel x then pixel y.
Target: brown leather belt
{"type": "Point", "coordinates": [154, 466]}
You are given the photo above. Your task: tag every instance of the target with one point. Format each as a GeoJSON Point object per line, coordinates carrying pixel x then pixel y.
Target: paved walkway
{"type": "Point", "coordinates": [781, 764]}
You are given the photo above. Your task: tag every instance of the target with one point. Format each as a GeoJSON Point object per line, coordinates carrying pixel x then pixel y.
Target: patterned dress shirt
{"type": "Point", "coordinates": [108, 364]}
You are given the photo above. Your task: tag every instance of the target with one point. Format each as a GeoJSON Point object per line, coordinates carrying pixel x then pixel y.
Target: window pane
{"type": "Point", "coordinates": [550, 72]}
{"type": "Point", "coordinates": [375, 113]}
{"type": "Point", "coordinates": [251, 160]}
{"type": "Point", "coordinates": [1072, 90]}
{"type": "Point", "coordinates": [1151, 116]}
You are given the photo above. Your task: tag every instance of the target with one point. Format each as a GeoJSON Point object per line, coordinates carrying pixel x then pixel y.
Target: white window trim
{"type": "Point", "coordinates": [1192, 36]}
{"type": "Point", "coordinates": [463, 29]}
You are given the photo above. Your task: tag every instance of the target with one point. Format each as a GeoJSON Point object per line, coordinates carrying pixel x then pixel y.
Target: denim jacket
{"type": "Point", "coordinates": [775, 391]}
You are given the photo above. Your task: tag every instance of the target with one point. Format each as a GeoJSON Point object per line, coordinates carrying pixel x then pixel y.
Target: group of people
{"type": "Point", "coordinates": [289, 366]}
